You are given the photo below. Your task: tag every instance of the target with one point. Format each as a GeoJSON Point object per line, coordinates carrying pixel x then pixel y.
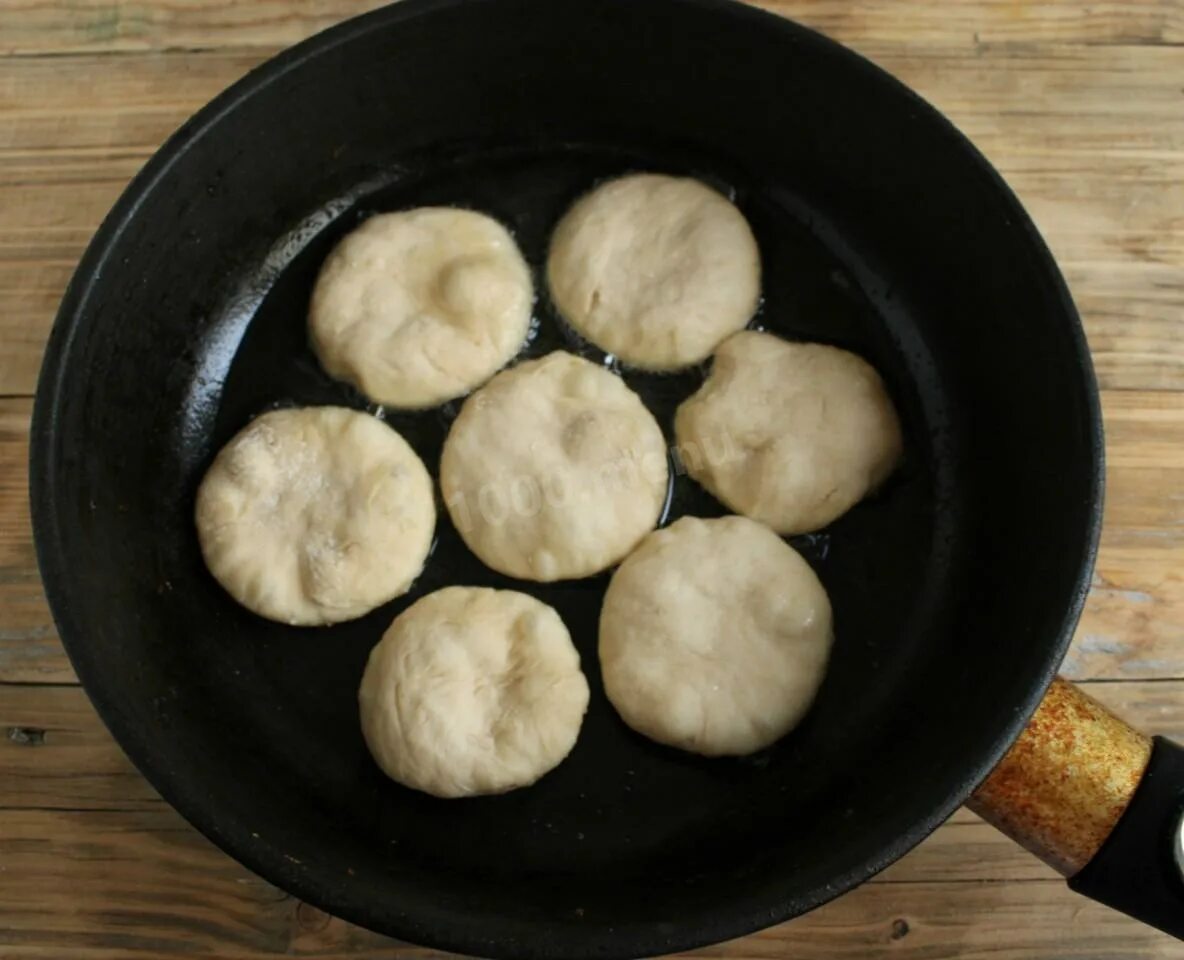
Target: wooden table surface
{"type": "Point", "coordinates": [1080, 105]}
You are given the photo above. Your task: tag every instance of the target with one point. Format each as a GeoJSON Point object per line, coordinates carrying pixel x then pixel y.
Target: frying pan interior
{"type": "Point", "coordinates": [881, 231]}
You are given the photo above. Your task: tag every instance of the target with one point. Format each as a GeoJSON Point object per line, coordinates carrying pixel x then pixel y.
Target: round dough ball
{"type": "Point", "coordinates": [315, 516]}
{"type": "Point", "coordinates": [418, 307]}
{"type": "Point", "coordinates": [554, 470]}
{"type": "Point", "coordinates": [655, 269]}
{"type": "Point", "coordinates": [472, 691]}
{"type": "Point", "coordinates": [791, 434]}
{"type": "Point", "coordinates": [714, 636]}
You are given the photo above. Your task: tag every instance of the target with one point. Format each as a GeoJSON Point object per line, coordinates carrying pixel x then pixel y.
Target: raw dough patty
{"type": "Point", "coordinates": [554, 470]}
{"type": "Point", "coordinates": [791, 434]}
{"type": "Point", "coordinates": [315, 516]}
{"type": "Point", "coordinates": [418, 307]}
{"type": "Point", "coordinates": [655, 269]}
{"type": "Point", "coordinates": [714, 636]}
{"type": "Point", "coordinates": [472, 691]}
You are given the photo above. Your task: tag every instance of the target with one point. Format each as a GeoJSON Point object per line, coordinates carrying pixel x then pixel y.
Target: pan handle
{"type": "Point", "coordinates": [1099, 802]}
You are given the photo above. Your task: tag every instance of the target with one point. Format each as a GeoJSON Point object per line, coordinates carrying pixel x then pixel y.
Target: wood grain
{"type": "Point", "coordinates": [29, 648]}
{"type": "Point", "coordinates": [58, 26]}
{"type": "Point", "coordinates": [143, 883]}
{"type": "Point", "coordinates": [85, 26]}
{"type": "Point", "coordinates": [141, 880]}
{"type": "Point", "coordinates": [61, 756]}
{"type": "Point", "coordinates": [57, 755]}
{"type": "Point", "coordinates": [1104, 183]}
{"type": "Point", "coordinates": [1131, 629]}
{"type": "Point", "coordinates": [1081, 107]}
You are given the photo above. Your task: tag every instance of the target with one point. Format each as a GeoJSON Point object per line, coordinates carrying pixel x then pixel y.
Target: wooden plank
{"type": "Point", "coordinates": [102, 884]}
{"type": "Point", "coordinates": [1132, 318]}
{"type": "Point", "coordinates": [1118, 104]}
{"type": "Point", "coordinates": [1105, 183]}
{"type": "Point", "coordinates": [133, 102]}
{"type": "Point", "coordinates": [29, 647]}
{"type": "Point", "coordinates": [134, 867]}
{"type": "Point", "coordinates": [1093, 141]}
{"type": "Point", "coordinates": [1074, 139]}
{"type": "Point", "coordinates": [56, 754]}
{"type": "Point", "coordinates": [52, 221]}
{"type": "Point", "coordinates": [1132, 626]}
{"type": "Point", "coordinates": [57, 26]}
{"type": "Point", "coordinates": [128, 875]}
{"type": "Point", "coordinates": [29, 298]}
{"type": "Point", "coordinates": [1131, 312]}
{"type": "Point", "coordinates": [1114, 104]}
{"type": "Point", "coordinates": [59, 755]}
{"type": "Point", "coordinates": [1133, 623]}
{"type": "Point", "coordinates": [970, 921]}
{"type": "Point", "coordinates": [98, 883]}
{"type": "Point", "coordinates": [979, 22]}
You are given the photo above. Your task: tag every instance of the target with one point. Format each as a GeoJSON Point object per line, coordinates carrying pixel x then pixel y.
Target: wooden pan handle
{"type": "Point", "coordinates": [1099, 802]}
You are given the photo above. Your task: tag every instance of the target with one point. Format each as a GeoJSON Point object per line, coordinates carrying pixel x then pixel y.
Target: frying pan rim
{"type": "Point", "coordinates": [480, 936]}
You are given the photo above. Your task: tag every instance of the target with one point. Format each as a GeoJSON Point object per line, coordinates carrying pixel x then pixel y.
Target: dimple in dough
{"type": "Point", "coordinates": [791, 434]}
{"type": "Point", "coordinates": [315, 515]}
{"type": "Point", "coordinates": [714, 636]}
{"type": "Point", "coordinates": [554, 470]}
{"type": "Point", "coordinates": [418, 307]}
{"type": "Point", "coordinates": [472, 691]}
{"type": "Point", "coordinates": [655, 269]}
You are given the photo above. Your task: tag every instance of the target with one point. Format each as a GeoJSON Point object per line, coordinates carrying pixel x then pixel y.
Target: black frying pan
{"type": "Point", "coordinates": [882, 230]}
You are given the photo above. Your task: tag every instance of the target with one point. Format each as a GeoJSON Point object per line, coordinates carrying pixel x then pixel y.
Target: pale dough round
{"type": "Point", "coordinates": [655, 269]}
{"type": "Point", "coordinates": [316, 515]}
{"type": "Point", "coordinates": [714, 636]}
{"type": "Point", "coordinates": [554, 470]}
{"type": "Point", "coordinates": [418, 307]}
{"type": "Point", "coordinates": [791, 434]}
{"type": "Point", "coordinates": [472, 691]}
